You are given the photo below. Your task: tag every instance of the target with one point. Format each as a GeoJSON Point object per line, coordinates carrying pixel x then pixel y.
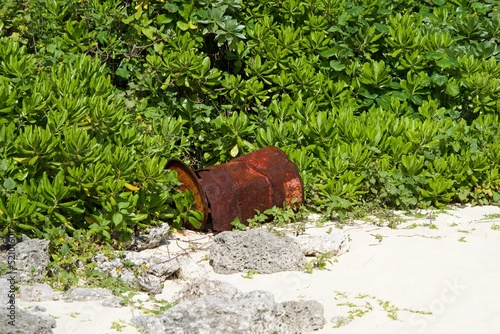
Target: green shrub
{"type": "Point", "coordinates": [392, 103]}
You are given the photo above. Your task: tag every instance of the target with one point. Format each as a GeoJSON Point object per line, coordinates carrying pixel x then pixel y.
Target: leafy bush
{"type": "Point", "coordinates": [71, 154]}
{"type": "Point", "coordinates": [387, 102]}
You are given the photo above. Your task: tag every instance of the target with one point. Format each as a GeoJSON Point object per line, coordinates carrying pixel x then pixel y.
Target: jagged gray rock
{"type": "Point", "coordinates": [114, 268]}
{"type": "Point", "coordinates": [25, 322]}
{"type": "Point", "coordinates": [303, 316]}
{"type": "Point", "coordinates": [255, 249]}
{"type": "Point", "coordinates": [31, 259]}
{"type": "Point", "coordinates": [38, 293]}
{"type": "Point", "coordinates": [144, 268]}
{"type": "Point", "coordinates": [86, 294]}
{"type": "Point", "coordinates": [150, 283]}
{"type": "Point", "coordinates": [149, 239]}
{"type": "Point", "coordinates": [157, 264]}
{"type": "Point", "coordinates": [154, 264]}
{"type": "Point", "coordinates": [333, 244]}
{"type": "Point", "coordinates": [5, 288]}
{"type": "Point", "coordinates": [189, 270]}
{"type": "Point", "coordinates": [149, 325]}
{"type": "Point", "coordinates": [203, 288]}
{"type": "Point", "coordinates": [114, 302]}
{"type": "Point", "coordinates": [203, 310]}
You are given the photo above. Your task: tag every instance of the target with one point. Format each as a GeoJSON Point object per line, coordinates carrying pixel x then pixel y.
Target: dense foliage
{"type": "Point", "coordinates": [388, 102]}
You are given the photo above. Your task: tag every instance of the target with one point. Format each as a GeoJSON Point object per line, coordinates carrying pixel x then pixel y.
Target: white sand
{"type": "Point", "coordinates": [429, 280]}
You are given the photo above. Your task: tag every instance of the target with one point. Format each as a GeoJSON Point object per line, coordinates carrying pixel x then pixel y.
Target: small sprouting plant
{"type": "Point", "coordinates": [128, 264]}
{"type": "Point", "coordinates": [160, 306]}
{"type": "Point", "coordinates": [339, 294]}
{"type": "Point", "coordinates": [277, 216]}
{"type": "Point", "coordinates": [74, 314]}
{"type": "Point", "coordinates": [3, 268]}
{"type": "Point", "coordinates": [392, 311]}
{"type": "Point", "coordinates": [417, 311]}
{"type": "Point", "coordinates": [127, 299]}
{"type": "Point", "coordinates": [495, 227]}
{"type": "Point", "coordinates": [356, 309]}
{"type": "Point", "coordinates": [436, 237]}
{"type": "Point", "coordinates": [118, 326]}
{"type": "Point", "coordinates": [462, 239]}
{"type": "Point", "coordinates": [237, 225]}
{"type": "Point", "coordinates": [250, 274]}
{"type": "Point", "coordinates": [319, 262]}
{"type": "Point", "coordinates": [360, 311]}
{"type": "Point", "coordinates": [411, 227]}
{"type": "Point", "coordinates": [491, 216]}
{"type": "Point", "coordinates": [416, 214]}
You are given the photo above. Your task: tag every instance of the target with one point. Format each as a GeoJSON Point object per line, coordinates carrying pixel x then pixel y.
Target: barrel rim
{"type": "Point", "coordinates": [199, 195]}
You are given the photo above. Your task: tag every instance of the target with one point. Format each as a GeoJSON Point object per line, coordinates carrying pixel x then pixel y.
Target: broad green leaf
{"type": "Point", "coordinates": [329, 52]}
{"type": "Point", "coordinates": [121, 72]}
{"type": "Point", "coordinates": [337, 65]}
{"type": "Point", "coordinates": [164, 19]}
{"type": "Point", "coordinates": [117, 218]}
{"type": "Point", "coordinates": [439, 79]}
{"type": "Point", "coordinates": [445, 63]}
{"type": "Point", "coordinates": [9, 183]}
{"type": "Point", "coordinates": [183, 25]}
{"type": "Point", "coordinates": [149, 32]}
{"type": "Point", "coordinates": [452, 89]}
{"type": "Point", "coordinates": [435, 55]}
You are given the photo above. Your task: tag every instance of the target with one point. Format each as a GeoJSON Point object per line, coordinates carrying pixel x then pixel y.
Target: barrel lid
{"type": "Point", "coordinates": [189, 181]}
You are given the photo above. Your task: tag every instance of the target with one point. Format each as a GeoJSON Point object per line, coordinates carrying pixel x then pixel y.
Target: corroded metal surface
{"type": "Point", "coordinates": [257, 181]}
{"type": "Point", "coordinates": [189, 181]}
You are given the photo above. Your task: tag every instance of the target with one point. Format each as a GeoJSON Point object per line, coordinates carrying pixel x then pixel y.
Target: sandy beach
{"type": "Point", "coordinates": [437, 272]}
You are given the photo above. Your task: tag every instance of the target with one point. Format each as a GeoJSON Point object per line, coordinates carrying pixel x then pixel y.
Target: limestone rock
{"type": "Point", "coordinates": [255, 249]}
{"type": "Point", "coordinates": [255, 312]}
{"type": "Point", "coordinates": [25, 322]}
{"type": "Point", "coordinates": [31, 259]}
{"type": "Point", "coordinates": [203, 288]}
{"type": "Point", "coordinates": [114, 267]}
{"type": "Point", "coordinates": [189, 270]}
{"type": "Point", "coordinates": [144, 268]}
{"type": "Point", "coordinates": [149, 239]}
{"type": "Point", "coordinates": [303, 316]}
{"type": "Point", "coordinates": [37, 293]}
{"type": "Point", "coordinates": [114, 302]}
{"type": "Point", "coordinates": [333, 244]}
{"type": "Point", "coordinates": [5, 290]}
{"type": "Point", "coordinates": [86, 294]}
{"type": "Point", "coordinates": [155, 264]}
{"type": "Point", "coordinates": [214, 307]}
{"type": "Point", "coordinates": [149, 325]}
{"type": "Point", "coordinates": [150, 283]}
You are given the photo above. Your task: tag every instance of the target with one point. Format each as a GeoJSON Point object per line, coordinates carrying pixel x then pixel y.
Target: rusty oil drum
{"type": "Point", "coordinates": [256, 181]}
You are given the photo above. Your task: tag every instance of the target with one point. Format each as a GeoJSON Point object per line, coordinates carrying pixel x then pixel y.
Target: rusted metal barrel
{"type": "Point", "coordinates": [256, 181]}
